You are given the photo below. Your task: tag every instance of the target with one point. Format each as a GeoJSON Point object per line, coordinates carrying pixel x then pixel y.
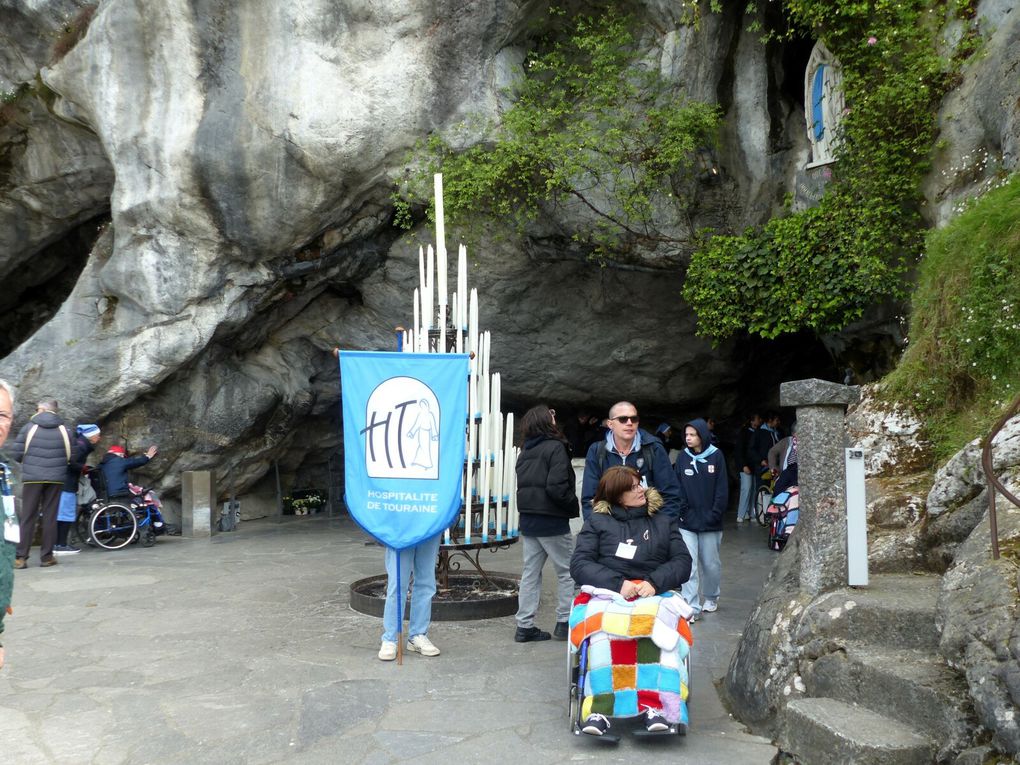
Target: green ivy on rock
{"type": "Point", "coordinates": [821, 268]}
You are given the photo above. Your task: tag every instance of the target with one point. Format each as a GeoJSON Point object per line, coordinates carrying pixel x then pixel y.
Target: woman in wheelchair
{"type": "Point", "coordinates": [627, 547]}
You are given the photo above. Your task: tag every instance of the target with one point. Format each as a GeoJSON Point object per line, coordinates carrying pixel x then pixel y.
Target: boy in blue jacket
{"type": "Point", "coordinates": [704, 493]}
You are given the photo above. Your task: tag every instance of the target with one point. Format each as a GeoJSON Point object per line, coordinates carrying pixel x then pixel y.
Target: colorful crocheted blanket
{"type": "Point", "coordinates": [634, 655]}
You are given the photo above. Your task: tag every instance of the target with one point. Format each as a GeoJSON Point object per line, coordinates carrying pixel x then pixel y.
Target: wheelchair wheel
{"type": "Point", "coordinates": [147, 537]}
{"type": "Point", "coordinates": [113, 526]}
{"type": "Point", "coordinates": [80, 529]}
{"type": "Point", "coordinates": [761, 503]}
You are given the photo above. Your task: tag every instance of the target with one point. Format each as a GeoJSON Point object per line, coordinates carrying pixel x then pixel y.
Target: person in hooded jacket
{"type": "Point", "coordinates": [628, 546]}
{"type": "Point", "coordinates": [43, 447]}
{"type": "Point", "coordinates": [546, 502]}
{"type": "Point", "coordinates": [704, 493]}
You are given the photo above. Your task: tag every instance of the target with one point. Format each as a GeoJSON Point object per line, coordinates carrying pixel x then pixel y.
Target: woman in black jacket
{"type": "Point", "coordinates": [625, 545]}
{"type": "Point", "coordinates": [546, 501]}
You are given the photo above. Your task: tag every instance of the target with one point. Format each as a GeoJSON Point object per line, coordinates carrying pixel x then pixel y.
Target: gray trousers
{"type": "Point", "coordinates": [558, 549]}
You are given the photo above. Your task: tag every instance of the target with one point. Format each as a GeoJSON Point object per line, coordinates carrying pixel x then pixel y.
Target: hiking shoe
{"type": "Point", "coordinates": [421, 644]}
{"type": "Point", "coordinates": [595, 725]}
{"type": "Point", "coordinates": [388, 650]}
{"type": "Point", "coordinates": [20, 563]}
{"type": "Point", "coordinates": [560, 631]}
{"type": "Point", "coordinates": [693, 617]}
{"type": "Point", "coordinates": [530, 635]}
{"type": "Point", "coordinates": [655, 722]}
{"type": "Point", "coordinates": [65, 550]}
{"type": "Point", "coordinates": [47, 562]}
{"type": "Point", "coordinates": [709, 606]}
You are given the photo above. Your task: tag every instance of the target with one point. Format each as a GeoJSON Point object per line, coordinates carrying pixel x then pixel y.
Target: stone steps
{"type": "Point", "coordinates": [896, 610]}
{"type": "Point", "coordinates": [912, 686]}
{"type": "Point", "coordinates": [877, 691]}
{"type": "Point", "coordinates": [822, 731]}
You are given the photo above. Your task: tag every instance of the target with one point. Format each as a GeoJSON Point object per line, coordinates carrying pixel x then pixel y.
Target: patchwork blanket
{"type": "Point", "coordinates": [634, 655]}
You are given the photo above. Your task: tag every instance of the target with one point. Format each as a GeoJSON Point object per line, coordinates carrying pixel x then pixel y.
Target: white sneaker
{"type": "Point", "coordinates": [388, 650]}
{"type": "Point", "coordinates": [421, 644]}
{"type": "Point", "coordinates": [709, 606]}
{"type": "Point", "coordinates": [740, 520]}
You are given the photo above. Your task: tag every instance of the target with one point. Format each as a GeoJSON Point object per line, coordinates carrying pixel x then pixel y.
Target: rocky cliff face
{"type": "Point", "coordinates": [244, 155]}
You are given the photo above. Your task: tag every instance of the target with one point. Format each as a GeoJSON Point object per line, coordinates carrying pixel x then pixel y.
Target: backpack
{"type": "Point", "coordinates": [646, 453]}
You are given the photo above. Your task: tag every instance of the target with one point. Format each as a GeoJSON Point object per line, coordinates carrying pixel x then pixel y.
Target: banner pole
{"type": "Point", "coordinates": [400, 616]}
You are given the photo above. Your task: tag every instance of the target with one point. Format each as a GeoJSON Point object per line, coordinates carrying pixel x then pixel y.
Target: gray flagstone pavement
{"type": "Point", "coordinates": [243, 649]}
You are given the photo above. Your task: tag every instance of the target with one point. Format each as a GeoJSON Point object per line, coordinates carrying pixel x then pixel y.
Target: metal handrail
{"type": "Point", "coordinates": [993, 481]}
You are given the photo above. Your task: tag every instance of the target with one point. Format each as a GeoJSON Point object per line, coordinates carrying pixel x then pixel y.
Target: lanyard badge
{"type": "Point", "coordinates": [12, 531]}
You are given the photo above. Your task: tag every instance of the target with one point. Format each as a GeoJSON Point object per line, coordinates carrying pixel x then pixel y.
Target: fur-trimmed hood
{"type": "Point", "coordinates": [652, 497]}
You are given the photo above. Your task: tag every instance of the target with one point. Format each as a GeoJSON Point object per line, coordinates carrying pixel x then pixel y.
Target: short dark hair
{"type": "Point", "coordinates": [615, 482]}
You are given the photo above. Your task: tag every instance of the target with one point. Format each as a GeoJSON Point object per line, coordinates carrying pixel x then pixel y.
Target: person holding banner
{"type": "Point", "coordinates": [404, 416]}
{"type": "Point", "coordinates": [421, 560]}
{"type": "Point", "coordinates": [546, 501]}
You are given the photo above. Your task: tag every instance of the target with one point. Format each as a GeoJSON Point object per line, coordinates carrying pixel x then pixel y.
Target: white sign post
{"type": "Point", "coordinates": [856, 520]}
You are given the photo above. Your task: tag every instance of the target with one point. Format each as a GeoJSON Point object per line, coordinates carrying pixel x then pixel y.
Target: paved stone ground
{"type": "Point", "coordinates": [243, 649]}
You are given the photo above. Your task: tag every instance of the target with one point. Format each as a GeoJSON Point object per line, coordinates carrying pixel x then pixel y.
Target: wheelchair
{"type": "Point", "coordinates": [584, 659]}
{"type": "Point", "coordinates": [116, 523]}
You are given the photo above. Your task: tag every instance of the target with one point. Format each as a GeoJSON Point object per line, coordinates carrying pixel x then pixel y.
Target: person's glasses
{"type": "Point", "coordinates": [637, 487]}
{"type": "Point", "coordinates": [625, 418]}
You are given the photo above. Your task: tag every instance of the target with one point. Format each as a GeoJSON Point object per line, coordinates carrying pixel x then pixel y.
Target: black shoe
{"type": "Point", "coordinates": [560, 631]}
{"type": "Point", "coordinates": [654, 721]}
{"type": "Point", "coordinates": [530, 634]}
{"type": "Point", "coordinates": [595, 725]}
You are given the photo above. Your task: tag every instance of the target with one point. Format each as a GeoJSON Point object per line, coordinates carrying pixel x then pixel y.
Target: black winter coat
{"type": "Point", "coordinates": [545, 479]}
{"type": "Point", "coordinates": [47, 457]}
{"type": "Point", "coordinates": [81, 448]}
{"type": "Point", "coordinates": [661, 557]}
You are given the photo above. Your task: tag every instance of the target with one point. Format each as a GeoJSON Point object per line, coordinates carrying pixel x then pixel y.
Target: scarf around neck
{"type": "Point", "coordinates": [700, 456]}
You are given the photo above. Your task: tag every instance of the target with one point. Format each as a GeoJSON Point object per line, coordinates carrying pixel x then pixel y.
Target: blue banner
{"type": "Point", "coordinates": [404, 416]}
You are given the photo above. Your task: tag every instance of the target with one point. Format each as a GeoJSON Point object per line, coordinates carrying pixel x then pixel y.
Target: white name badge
{"type": "Point", "coordinates": [626, 550]}
{"type": "Point", "coordinates": [12, 531]}
{"type": "Point", "coordinates": [644, 482]}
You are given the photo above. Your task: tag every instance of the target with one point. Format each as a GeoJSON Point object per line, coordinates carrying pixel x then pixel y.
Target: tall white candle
{"type": "Point", "coordinates": [462, 282]}
{"type": "Point", "coordinates": [421, 270]}
{"type": "Point", "coordinates": [473, 321]}
{"type": "Point", "coordinates": [442, 329]}
{"type": "Point", "coordinates": [417, 313]}
{"type": "Point", "coordinates": [497, 490]}
{"type": "Point", "coordinates": [437, 180]}
{"type": "Point", "coordinates": [486, 476]}
{"type": "Point", "coordinates": [513, 497]}
{"type": "Point", "coordinates": [429, 314]}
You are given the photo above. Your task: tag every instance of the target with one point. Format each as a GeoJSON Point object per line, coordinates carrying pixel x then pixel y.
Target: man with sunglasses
{"type": "Point", "coordinates": [627, 444]}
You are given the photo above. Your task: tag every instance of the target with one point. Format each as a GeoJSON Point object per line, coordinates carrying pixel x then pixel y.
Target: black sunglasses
{"type": "Point", "coordinates": [625, 418]}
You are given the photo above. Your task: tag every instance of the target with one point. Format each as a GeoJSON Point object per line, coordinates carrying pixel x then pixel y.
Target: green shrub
{"type": "Point", "coordinates": [590, 126]}
{"type": "Point", "coordinates": [962, 363]}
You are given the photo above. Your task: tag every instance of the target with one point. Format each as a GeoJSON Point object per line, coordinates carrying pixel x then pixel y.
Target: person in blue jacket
{"type": "Point", "coordinates": [704, 493]}
{"type": "Point", "coordinates": [628, 445]}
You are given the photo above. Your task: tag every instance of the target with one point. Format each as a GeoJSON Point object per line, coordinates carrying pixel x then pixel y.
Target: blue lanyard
{"type": "Point", "coordinates": [6, 481]}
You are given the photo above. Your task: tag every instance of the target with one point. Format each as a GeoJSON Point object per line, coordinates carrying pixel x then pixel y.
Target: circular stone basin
{"type": "Point", "coordinates": [470, 596]}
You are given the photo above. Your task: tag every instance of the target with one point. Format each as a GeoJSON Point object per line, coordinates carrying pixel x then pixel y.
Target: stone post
{"type": "Point", "coordinates": [821, 437]}
{"type": "Point", "coordinates": [198, 504]}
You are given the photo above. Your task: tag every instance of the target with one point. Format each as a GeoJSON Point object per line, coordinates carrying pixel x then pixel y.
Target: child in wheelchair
{"type": "Point", "coordinates": [628, 629]}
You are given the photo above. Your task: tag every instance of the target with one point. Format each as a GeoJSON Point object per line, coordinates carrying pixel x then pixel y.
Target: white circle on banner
{"type": "Point", "coordinates": [401, 430]}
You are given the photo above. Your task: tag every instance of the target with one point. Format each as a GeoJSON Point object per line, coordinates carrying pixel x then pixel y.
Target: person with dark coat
{"type": "Point", "coordinates": [43, 447]}
{"type": "Point", "coordinates": [629, 547]}
{"type": "Point", "coordinates": [115, 467]}
{"type": "Point", "coordinates": [626, 538]}
{"type": "Point", "coordinates": [704, 493]}
{"type": "Point", "coordinates": [626, 444]}
{"type": "Point", "coordinates": [67, 513]}
{"type": "Point", "coordinates": [546, 502]}
{"type": "Point", "coordinates": [749, 467]}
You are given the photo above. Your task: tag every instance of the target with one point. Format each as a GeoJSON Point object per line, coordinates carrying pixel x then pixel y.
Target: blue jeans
{"type": "Point", "coordinates": [706, 567]}
{"type": "Point", "coordinates": [745, 507]}
{"type": "Point", "coordinates": [420, 560]}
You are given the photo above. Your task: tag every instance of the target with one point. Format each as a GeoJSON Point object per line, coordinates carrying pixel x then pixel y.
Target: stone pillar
{"type": "Point", "coordinates": [821, 439]}
{"type": "Point", "coordinates": [198, 504]}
